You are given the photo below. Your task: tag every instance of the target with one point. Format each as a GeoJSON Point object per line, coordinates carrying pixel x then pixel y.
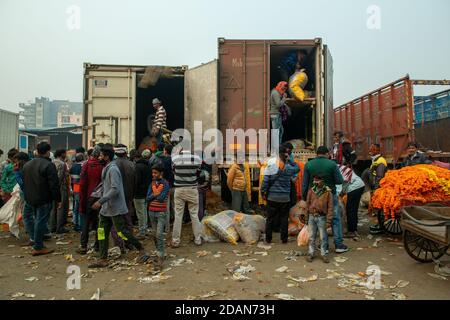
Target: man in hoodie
{"type": "Point", "coordinates": [40, 174]}
{"type": "Point", "coordinates": [113, 208]}
{"type": "Point", "coordinates": [142, 182]}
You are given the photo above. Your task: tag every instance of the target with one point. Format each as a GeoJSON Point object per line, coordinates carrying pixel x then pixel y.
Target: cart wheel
{"type": "Point", "coordinates": [422, 249]}
{"type": "Point", "coordinates": [391, 226]}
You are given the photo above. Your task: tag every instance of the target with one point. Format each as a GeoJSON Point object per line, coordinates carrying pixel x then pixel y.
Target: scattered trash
{"type": "Point", "coordinates": [359, 248]}
{"type": "Point", "coordinates": [282, 269]}
{"type": "Point", "coordinates": [17, 256]}
{"type": "Point", "coordinates": [11, 246]}
{"type": "Point", "coordinates": [114, 253]}
{"type": "Point", "coordinates": [369, 297]}
{"type": "Point", "coordinates": [61, 243]}
{"type": "Point", "coordinates": [69, 258]}
{"type": "Point", "coordinates": [31, 279]}
{"type": "Point", "coordinates": [292, 255]}
{"type": "Point", "coordinates": [261, 245]}
{"type": "Point", "coordinates": [261, 253]}
{"type": "Point", "coordinates": [398, 296]}
{"type": "Point", "coordinates": [153, 279]}
{"type": "Point", "coordinates": [340, 259]}
{"type": "Point", "coordinates": [57, 253]}
{"type": "Point", "coordinates": [441, 269]}
{"type": "Point", "coordinates": [284, 296]}
{"type": "Point", "coordinates": [370, 237]}
{"type": "Point", "coordinates": [180, 262]}
{"type": "Point", "coordinates": [437, 276]}
{"type": "Point", "coordinates": [217, 255]}
{"type": "Point", "coordinates": [205, 296]}
{"type": "Point", "coordinates": [400, 284]}
{"type": "Point", "coordinates": [202, 253]}
{"type": "Point", "coordinates": [48, 277]}
{"type": "Point", "coordinates": [239, 271]}
{"type": "Point", "coordinates": [96, 295]}
{"type": "Point", "coordinates": [375, 244]}
{"type": "Point", "coordinates": [314, 277]}
{"type": "Point", "coordinates": [22, 294]}
{"type": "Point", "coordinates": [385, 273]}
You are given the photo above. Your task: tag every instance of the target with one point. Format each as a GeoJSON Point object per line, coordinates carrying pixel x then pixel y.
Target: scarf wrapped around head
{"type": "Point", "coordinates": [281, 87]}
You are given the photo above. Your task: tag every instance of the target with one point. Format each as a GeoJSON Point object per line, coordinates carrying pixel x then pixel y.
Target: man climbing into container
{"type": "Point", "coordinates": [415, 156]}
{"type": "Point", "coordinates": [160, 120]}
{"type": "Point", "coordinates": [373, 175]}
{"type": "Point", "coordinates": [277, 97]}
{"type": "Point", "coordinates": [343, 152]}
{"type": "Point", "coordinates": [297, 83]}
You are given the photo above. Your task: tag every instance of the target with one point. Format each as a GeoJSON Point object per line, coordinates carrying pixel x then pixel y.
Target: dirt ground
{"type": "Point", "coordinates": [207, 276]}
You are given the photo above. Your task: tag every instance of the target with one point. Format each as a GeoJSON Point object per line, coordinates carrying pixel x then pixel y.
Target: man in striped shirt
{"type": "Point", "coordinates": [160, 119]}
{"type": "Point", "coordinates": [186, 168]}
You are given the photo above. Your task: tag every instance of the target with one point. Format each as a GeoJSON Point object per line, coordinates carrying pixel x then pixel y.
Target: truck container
{"type": "Point", "coordinates": [230, 92]}
{"type": "Point", "coordinates": [9, 131]}
{"type": "Point", "coordinates": [388, 116]}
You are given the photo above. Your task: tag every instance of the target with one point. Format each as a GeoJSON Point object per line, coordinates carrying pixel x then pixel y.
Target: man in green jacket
{"type": "Point", "coordinates": [328, 169]}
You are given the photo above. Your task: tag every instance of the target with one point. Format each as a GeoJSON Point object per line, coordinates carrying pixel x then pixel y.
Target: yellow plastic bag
{"type": "Point", "coordinates": [222, 225]}
{"type": "Point", "coordinates": [297, 83]}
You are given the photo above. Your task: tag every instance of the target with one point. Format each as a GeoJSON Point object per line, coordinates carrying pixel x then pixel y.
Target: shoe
{"type": "Point", "coordinates": [198, 242]}
{"type": "Point", "coordinates": [41, 252]}
{"type": "Point", "coordinates": [174, 245]}
{"type": "Point", "coordinates": [350, 235]}
{"type": "Point", "coordinates": [81, 250]}
{"type": "Point", "coordinates": [309, 258]}
{"type": "Point", "coordinates": [30, 243]}
{"type": "Point", "coordinates": [98, 264]}
{"type": "Point", "coordinates": [62, 231]}
{"type": "Point", "coordinates": [341, 249]}
{"type": "Point", "coordinates": [284, 241]}
{"type": "Point", "coordinates": [375, 227]}
{"type": "Point", "coordinates": [325, 259]}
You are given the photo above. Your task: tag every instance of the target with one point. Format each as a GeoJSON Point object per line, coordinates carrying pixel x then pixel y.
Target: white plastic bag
{"type": "Point", "coordinates": [248, 227]}
{"type": "Point", "coordinates": [11, 210]}
{"type": "Point", "coordinates": [222, 225]}
{"type": "Point", "coordinates": [207, 234]}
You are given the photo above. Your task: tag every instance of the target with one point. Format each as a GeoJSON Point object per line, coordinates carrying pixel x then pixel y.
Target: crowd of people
{"type": "Point", "coordinates": [112, 190]}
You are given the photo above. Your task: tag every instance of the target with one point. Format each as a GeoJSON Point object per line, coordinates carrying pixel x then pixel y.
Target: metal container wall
{"type": "Point", "coordinates": [244, 83]}
{"type": "Point", "coordinates": [383, 116]}
{"type": "Point", "coordinates": [9, 131]}
{"type": "Point", "coordinates": [433, 107]}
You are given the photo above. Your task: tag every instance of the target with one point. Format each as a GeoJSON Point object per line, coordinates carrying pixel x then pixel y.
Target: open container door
{"type": "Point", "coordinates": [200, 100]}
{"type": "Point", "coordinates": [328, 88]}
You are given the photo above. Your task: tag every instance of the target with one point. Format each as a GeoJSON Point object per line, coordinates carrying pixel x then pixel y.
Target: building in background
{"type": "Point", "coordinates": [43, 112]}
{"type": "Point", "coordinates": [66, 118]}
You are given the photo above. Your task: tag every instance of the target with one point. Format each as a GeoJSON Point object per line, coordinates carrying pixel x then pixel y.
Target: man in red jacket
{"type": "Point", "coordinates": [90, 178]}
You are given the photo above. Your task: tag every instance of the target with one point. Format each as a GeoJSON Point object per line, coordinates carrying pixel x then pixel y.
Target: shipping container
{"type": "Point", "coordinates": [384, 116]}
{"type": "Point", "coordinates": [118, 101]}
{"type": "Point", "coordinates": [9, 131]}
{"type": "Point", "coordinates": [432, 107]}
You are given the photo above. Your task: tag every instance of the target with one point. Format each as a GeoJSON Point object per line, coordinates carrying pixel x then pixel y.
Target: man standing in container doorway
{"type": "Point", "coordinates": [277, 97]}
{"type": "Point", "coordinates": [160, 120]}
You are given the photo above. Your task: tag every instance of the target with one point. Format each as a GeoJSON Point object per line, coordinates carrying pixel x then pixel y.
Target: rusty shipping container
{"type": "Point", "coordinates": [249, 69]}
{"type": "Point", "coordinates": [384, 116]}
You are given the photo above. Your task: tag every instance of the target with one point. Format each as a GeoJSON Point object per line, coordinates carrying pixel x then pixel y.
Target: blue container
{"type": "Point", "coordinates": [431, 108]}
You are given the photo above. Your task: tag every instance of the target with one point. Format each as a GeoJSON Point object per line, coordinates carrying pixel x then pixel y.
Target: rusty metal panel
{"type": "Point", "coordinates": [241, 85]}
{"type": "Point", "coordinates": [434, 135]}
{"type": "Point", "coordinates": [382, 116]}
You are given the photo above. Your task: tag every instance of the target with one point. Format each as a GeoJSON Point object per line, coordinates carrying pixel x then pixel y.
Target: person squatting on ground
{"type": "Point", "coordinates": [276, 189]}
{"type": "Point", "coordinates": [157, 197]}
{"type": "Point", "coordinates": [113, 208]}
{"type": "Point", "coordinates": [319, 207]}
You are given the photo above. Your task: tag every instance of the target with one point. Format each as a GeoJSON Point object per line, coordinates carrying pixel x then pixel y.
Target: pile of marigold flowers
{"type": "Point", "coordinates": [417, 184]}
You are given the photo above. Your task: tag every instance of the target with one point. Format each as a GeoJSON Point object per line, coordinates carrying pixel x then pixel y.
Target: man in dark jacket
{"type": "Point", "coordinates": [142, 182]}
{"type": "Point", "coordinates": [42, 188]}
{"type": "Point", "coordinates": [329, 170]}
{"type": "Point", "coordinates": [127, 171]}
{"type": "Point", "coordinates": [414, 156]}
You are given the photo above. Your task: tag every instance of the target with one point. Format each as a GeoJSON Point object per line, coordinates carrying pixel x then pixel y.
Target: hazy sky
{"type": "Point", "coordinates": [41, 56]}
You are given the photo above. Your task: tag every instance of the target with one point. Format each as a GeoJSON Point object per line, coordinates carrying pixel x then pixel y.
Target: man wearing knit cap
{"type": "Point", "coordinates": [160, 120]}
{"type": "Point", "coordinates": [127, 171]}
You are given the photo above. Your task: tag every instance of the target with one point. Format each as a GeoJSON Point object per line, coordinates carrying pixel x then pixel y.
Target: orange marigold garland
{"type": "Point", "coordinates": [417, 184]}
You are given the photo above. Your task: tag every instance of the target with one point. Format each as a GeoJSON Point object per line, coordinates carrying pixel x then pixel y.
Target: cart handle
{"type": "Point", "coordinates": [440, 224]}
